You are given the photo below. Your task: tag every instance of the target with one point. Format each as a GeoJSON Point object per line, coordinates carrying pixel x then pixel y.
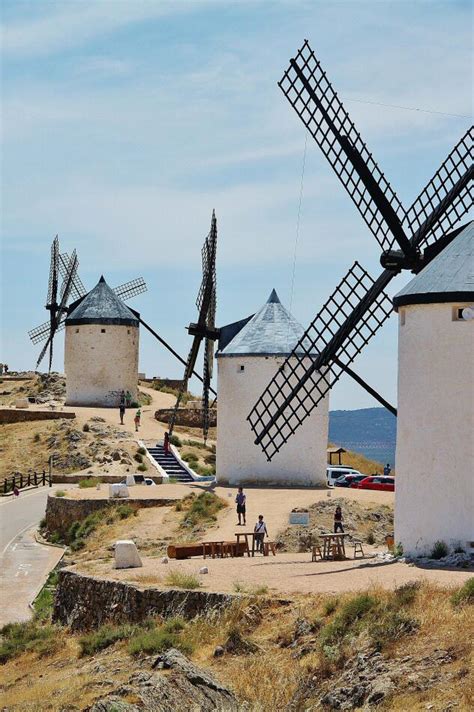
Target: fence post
{"type": "Point", "coordinates": [21, 481]}
{"type": "Point", "coordinates": [35, 478]}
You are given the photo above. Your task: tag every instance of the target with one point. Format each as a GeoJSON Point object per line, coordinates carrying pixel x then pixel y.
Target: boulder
{"type": "Point", "coordinates": [126, 555]}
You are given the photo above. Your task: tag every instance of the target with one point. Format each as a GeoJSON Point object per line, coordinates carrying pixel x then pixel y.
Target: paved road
{"type": "Point", "coordinates": [24, 564]}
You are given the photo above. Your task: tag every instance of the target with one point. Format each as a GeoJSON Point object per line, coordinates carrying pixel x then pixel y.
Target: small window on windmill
{"type": "Point", "coordinates": [102, 331]}
{"type": "Point", "coordinates": [240, 368]}
{"type": "Point", "coordinates": [128, 331]}
{"type": "Point", "coordinates": [77, 331]}
{"type": "Point", "coordinates": [463, 313]}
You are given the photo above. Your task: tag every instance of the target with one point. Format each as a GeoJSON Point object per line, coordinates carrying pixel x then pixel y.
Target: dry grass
{"type": "Point", "coordinates": [267, 679]}
{"type": "Point", "coordinates": [360, 462]}
{"type": "Point", "coordinates": [20, 452]}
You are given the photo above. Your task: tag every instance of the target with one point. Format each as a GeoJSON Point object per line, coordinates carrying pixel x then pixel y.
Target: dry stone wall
{"type": "Point", "coordinates": [61, 512]}
{"type": "Point", "coordinates": [84, 602]}
{"type": "Point", "coordinates": [10, 415]}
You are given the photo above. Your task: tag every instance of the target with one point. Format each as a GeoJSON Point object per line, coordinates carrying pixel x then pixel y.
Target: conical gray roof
{"type": "Point", "coordinates": [101, 306]}
{"type": "Point", "coordinates": [449, 277]}
{"type": "Point", "coordinates": [272, 331]}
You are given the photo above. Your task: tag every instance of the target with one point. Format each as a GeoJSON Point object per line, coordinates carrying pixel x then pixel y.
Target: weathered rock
{"type": "Point", "coordinates": [116, 455]}
{"type": "Point", "coordinates": [185, 687]}
{"type": "Point", "coordinates": [203, 570]}
{"type": "Point", "coordinates": [126, 555]}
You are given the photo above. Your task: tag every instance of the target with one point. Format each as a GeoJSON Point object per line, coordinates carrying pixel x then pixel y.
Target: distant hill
{"type": "Point", "coordinates": [370, 431]}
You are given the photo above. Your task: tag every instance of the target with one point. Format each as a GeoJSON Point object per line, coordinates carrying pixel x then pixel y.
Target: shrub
{"type": "Point", "coordinates": [141, 451]}
{"type": "Point", "coordinates": [104, 637]}
{"type": "Point", "coordinates": [391, 625]}
{"type": "Point", "coordinates": [159, 639]}
{"type": "Point", "coordinates": [210, 459]}
{"type": "Point", "coordinates": [202, 508]}
{"type": "Point", "coordinates": [196, 443]}
{"type": "Point", "coordinates": [86, 427]}
{"type": "Point", "coordinates": [43, 603]}
{"type": "Point", "coordinates": [459, 550]}
{"type": "Point", "coordinates": [55, 538]}
{"type": "Point", "coordinates": [464, 595]}
{"type": "Point", "coordinates": [370, 538]}
{"type": "Point", "coordinates": [124, 511]}
{"type": "Point", "coordinates": [138, 457]}
{"type": "Point", "coordinates": [439, 550]}
{"type": "Point", "coordinates": [143, 467]}
{"type": "Point", "coordinates": [89, 482]}
{"type": "Point", "coordinates": [345, 621]}
{"type": "Point", "coordinates": [42, 524]}
{"type": "Point", "coordinates": [398, 549]}
{"type": "Point", "coordinates": [60, 493]}
{"type": "Point", "coordinates": [37, 438]}
{"type": "Point", "coordinates": [174, 440]}
{"type": "Point", "coordinates": [18, 638]}
{"type": "Point", "coordinates": [179, 579]}
{"type": "Point", "coordinates": [330, 605]}
{"type": "Point", "coordinates": [189, 457]}
{"type": "Point", "coordinates": [405, 595]}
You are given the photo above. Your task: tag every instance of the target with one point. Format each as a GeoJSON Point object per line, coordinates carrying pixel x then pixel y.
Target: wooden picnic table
{"type": "Point", "coordinates": [246, 535]}
{"type": "Point", "coordinates": [333, 540]}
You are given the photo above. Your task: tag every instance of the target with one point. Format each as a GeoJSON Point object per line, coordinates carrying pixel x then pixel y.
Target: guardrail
{"type": "Point", "coordinates": [32, 479]}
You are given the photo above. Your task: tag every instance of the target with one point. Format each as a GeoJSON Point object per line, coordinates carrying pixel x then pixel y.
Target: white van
{"type": "Point", "coordinates": [335, 471]}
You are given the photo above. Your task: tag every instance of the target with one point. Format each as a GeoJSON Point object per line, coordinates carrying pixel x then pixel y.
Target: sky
{"type": "Point", "coordinates": [126, 122]}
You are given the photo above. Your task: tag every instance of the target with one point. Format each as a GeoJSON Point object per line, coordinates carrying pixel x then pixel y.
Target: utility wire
{"type": "Point", "coordinates": [409, 108]}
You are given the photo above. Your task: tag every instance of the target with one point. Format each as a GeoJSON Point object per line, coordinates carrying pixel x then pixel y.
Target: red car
{"type": "Point", "coordinates": [376, 482]}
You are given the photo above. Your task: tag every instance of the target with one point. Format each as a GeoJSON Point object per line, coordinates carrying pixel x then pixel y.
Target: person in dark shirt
{"type": "Point", "coordinates": [338, 519]}
{"type": "Point", "coordinates": [387, 469]}
{"type": "Point", "coordinates": [240, 501]}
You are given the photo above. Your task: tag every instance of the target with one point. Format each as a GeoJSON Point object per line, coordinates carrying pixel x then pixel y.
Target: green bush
{"type": "Point", "coordinates": [60, 493]}
{"type": "Point", "coordinates": [190, 457]}
{"type": "Point", "coordinates": [138, 457]}
{"type": "Point", "coordinates": [141, 451]}
{"type": "Point", "coordinates": [370, 538]}
{"type": "Point", "coordinates": [347, 619]}
{"type": "Point", "coordinates": [124, 511]}
{"type": "Point", "coordinates": [89, 482]}
{"type": "Point", "coordinates": [18, 638]}
{"type": "Point", "coordinates": [202, 509]}
{"type": "Point", "coordinates": [157, 640]}
{"type": "Point", "coordinates": [104, 637]}
{"type": "Point", "coordinates": [37, 438]}
{"type": "Point", "coordinates": [143, 467]}
{"type": "Point", "coordinates": [464, 595]}
{"type": "Point", "coordinates": [196, 443]}
{"type": "Point", "coordinates": [174, 440]}
{"type": "Point", "coordinates": [405, 595]}
{"type": "Point", "coordinates": [210, 459]}
{"type": "Point", "coordinates": [398, 549]}
{"type": "Point", "coordinates": [86, 427]}
{"type": "Point", "coordinates": [439, 550]}
{"type": "Point", "coordinates": [390, 625]}
{"type": "Point", "coordinates": [178, 579]}
{"type": "Point", "coordinates": [43, 603]}
{"type": "Point", "coordinates": [330, 605]}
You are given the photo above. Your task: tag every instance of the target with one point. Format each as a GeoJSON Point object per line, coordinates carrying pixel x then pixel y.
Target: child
{"type": "Point", "coordinates": [240, 502]}
{"type": "Point", "coordinates": [338, 519]}
{"type": "Point", "coordinates": [138, 415]}
{"type": "Point", "coordinates": [260, 530]}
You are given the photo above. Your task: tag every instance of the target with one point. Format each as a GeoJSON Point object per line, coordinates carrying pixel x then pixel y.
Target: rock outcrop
{"type": "Point", "coordinates": [183, 687]}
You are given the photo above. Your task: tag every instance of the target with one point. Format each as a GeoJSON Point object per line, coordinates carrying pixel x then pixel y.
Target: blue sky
{"type": "Point", "coordinates": [126, 122]}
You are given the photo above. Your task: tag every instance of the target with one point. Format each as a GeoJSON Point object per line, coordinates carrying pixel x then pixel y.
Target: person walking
{"type": "Point", "coordinates": [16, 491]}
{"type": "Point", "coordinates": [387, 469]}
{"type": "Point", "coordinates": [166, 443]}
{"type": "Point", "coordinates": [240, 502]}
{"type": "Point", "coordinates": [137, 418]}
{"type": "Point", "coordinates": [122, 411]}
{"type": "Point", "coordinates": [338, 520]}
{"type": "Point", "coordinates": [259, 532]}
{"type": "Point", "coordinates": [128, 398]}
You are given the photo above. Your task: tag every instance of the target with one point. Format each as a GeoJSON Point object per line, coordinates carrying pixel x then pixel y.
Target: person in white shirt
{"type": "Point", "coordinates": [260, 530]}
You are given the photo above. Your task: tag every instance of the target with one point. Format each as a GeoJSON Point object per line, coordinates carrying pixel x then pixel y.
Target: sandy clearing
{"type": "Point", "coordinates": [283, 574]}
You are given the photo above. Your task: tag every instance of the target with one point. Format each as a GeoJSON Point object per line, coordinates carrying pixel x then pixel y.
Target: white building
{"type": "Point", "coordinates": [257, 349]}
{"type": "Point", "coordinates": [434, 498]}
{"type": "Point", "coordinates": [101, 349]}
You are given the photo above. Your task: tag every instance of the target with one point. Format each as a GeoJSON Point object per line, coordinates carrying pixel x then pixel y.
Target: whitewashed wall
{"type": "Point", "coordinates": [434, 498]}
{"type": "Point", "coordinates": [301, 462]}
{"type": "Point", "coordinates": [99, 365]}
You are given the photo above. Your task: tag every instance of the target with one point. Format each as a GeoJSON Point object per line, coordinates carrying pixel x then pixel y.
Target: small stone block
{"type": "Point", "coordinates": [126, 555]}
{"type": "Point", "coordinates": [118, 490]}
{"type": "Point", "coordinates": [164, 560]}
{"type": "Point", "coordinates": [130, 480]}
{"type": "Point", "coordinates": [22, 403]}
{"type": "Point", "coordinates": [203, 570]}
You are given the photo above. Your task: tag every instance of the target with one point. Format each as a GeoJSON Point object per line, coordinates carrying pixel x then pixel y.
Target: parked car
{"type": "Point", "coordinates": [377, 482]}
{"type": "Point", "coordinates": [348, 480]}
{"type": "Point", "coordinates": [333, 472]}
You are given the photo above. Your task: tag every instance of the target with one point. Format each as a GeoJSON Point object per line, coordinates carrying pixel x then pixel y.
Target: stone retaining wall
{"type": "Point", "coordinates": [84, 602]}
{"type": "Point", "coordinates": [61, 512]}
{"type": "Point", "coordinates": [186, 416]}
{"type": "Point", "coordinates": [10, 415]}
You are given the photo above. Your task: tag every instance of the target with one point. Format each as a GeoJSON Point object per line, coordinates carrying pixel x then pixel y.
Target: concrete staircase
{"type": "Point", "coordinates": [169, 464]}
